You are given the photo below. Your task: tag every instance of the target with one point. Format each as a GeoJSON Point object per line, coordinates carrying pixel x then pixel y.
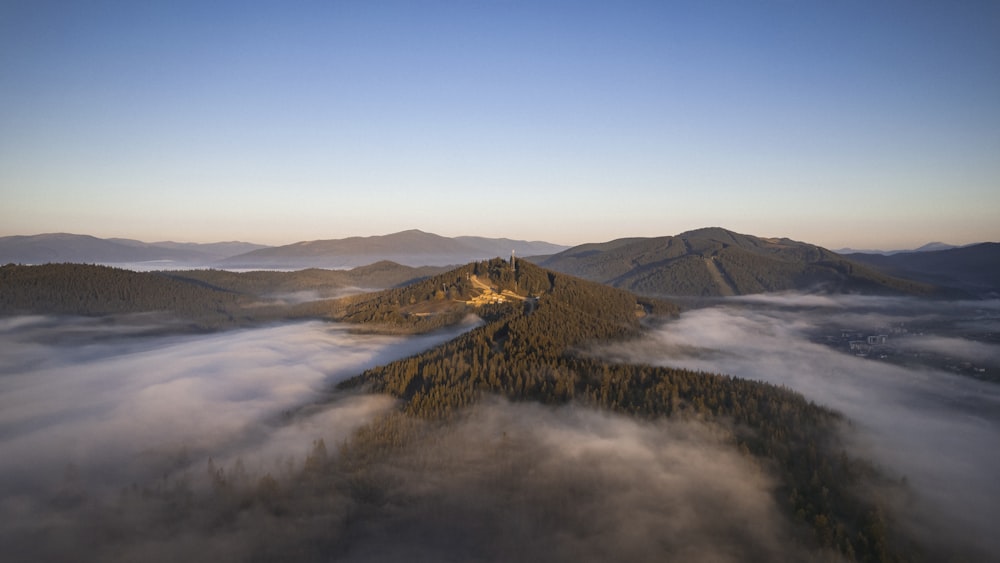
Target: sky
{"type": "Point", "coordinates": [872, 125]}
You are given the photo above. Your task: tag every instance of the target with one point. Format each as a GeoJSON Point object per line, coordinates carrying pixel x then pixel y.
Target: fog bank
{"type": "Point", "coordinates": [938, 429]}
{"type": "Point", "coordinates": [525, 482]}
{"type": "Point", "coordinates": [76, 393]}
{"type": "Point", "coordinates": [106, 439]}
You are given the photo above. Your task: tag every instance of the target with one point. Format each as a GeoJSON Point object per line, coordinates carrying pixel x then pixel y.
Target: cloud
{"type": "Point", "coordinates": [110, 406]}
{"type": "Point", "coordinates": [83, 418]}
{"type": "Point", "coordinates": [525, 482]}
{"type": "Point", "coordinates": [104, 453]}
{"type": "Point", "coordinates": [90, 407]}
{"type": "Point", "coordinates": [939, 430]}
{"type": "Point", "coordinates": [505, 482]}
{"type": "Point", "coordinates": [960, 348]}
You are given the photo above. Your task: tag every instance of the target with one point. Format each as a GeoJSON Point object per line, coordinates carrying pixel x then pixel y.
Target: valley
{"type": "Point", "coordinates": [470, 353]}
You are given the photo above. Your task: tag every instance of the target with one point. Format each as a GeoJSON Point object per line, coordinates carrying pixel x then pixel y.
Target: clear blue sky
{"type": "Point", "coordinates": [843, 123]}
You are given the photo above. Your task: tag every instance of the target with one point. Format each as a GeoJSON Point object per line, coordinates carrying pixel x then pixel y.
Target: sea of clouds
{"type": "Point", "coordinates": [109, 406]}
{"type": "Point", "coordinates": [89, 408]}
{"type": "Point", "coordinates": [938, 429]}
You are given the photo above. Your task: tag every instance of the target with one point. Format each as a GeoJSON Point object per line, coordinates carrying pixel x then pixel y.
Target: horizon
{"type": "Point", "coordinates": [846, 126]}
{"type": "Point", "coordinates": [175, 240]}
{"type": "Point", "coordinates": [512, 238]}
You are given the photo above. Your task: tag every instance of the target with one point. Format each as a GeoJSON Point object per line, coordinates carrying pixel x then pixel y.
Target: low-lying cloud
{"type": "Point", "coordinates": [938, 429]}
{"type": "Point", "coordinates": [959, 348]}
{"type": "Point", "coordinates": [88, 409]}
{"type": "Point", "coordinates": [105, 441]}
{"type": "Point", "coordinates": [82, 394]}
{"type": "Point", "coordinates": [507, 482]}
{"type": "Point", "coordinates": [525, 482]}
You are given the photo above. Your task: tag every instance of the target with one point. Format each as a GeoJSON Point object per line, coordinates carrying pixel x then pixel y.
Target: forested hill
{"type": "Point", "coordinates": [717, 262]}
{"type": "Point", "coordinates": [484, 288]}
{"type": "Point", "coordinates": [532, 350]}
{"type": "Point", "coordinates": [80, 289]}
{"type": "Point", "coordinates": [323, 283]}
{"type": "Point", "coordinates": [208, 298]}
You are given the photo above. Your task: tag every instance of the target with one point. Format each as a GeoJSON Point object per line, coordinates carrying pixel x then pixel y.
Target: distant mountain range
{"type": "Point", "coordinates": [701, 263]}
{"type": "Point", "coordinates": [974, 268]}
{"type": "Point", "coordinates": [929, 247]}
{"type": "Point", "coordinates": [715, 262]}
{"type": "Point", "coordinates": [411, 248]}
{"type": "Point", "coordinates": [64, 247]}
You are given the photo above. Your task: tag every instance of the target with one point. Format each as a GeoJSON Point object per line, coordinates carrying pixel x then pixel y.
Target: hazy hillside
{"type": "Point", "coordinates": [211, 251]}
{"type": "Point", "coordinates": [63, 247]}
{"type": "Point", "coordinates": [502, 246]}
{"type": "Point", "coordinates": [316, 282]}
{"type": "Point", "coordinates": [411, 248]}
{"type": "Point", "coordinates": [717, 262]}
{"type": "Point", "coordinates": [929, 247]}
{"type": "Point", "coordinates": [207, 299]}
{"type": "Point", "coordinates": [78, 289]}
{"type": "Point", "coordinates": [974, 268]}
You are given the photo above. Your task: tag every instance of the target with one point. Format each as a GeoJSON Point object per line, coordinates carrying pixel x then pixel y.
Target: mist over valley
{"type": "Point", "coordinates": [498, 411]}
{"type": "Point", "coordinates": [85, 414]}
{"type": "Point", "coordinates": [936, 427]}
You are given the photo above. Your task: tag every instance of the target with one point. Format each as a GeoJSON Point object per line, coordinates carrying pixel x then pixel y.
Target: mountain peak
{"type": "Point", "coordinates": [932, 246]}
{"type": "Point", "coordinates": [717, 262]}
{"type": "Point", "coordinates": [412, 233]}
{"type": "Point", "coordinates": [708, 232]}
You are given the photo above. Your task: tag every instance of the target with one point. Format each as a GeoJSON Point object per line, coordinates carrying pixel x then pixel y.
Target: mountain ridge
{"type": "Point", "coordinates": [716, 262]}
{"type": "Point", "coordinates": [410, 248]}
{"type": "Point", "coordinates": [705, 262]}
{"type": "Point", "coordinates": [974, 268]}
{"type": "Point", "coordinates": [52, 248]}
{"type": "Point", "coordinates": [929, 247]}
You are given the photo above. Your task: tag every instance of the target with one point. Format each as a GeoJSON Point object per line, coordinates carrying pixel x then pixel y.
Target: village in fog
{"type": "Point", "coordinates": [959, 345]}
